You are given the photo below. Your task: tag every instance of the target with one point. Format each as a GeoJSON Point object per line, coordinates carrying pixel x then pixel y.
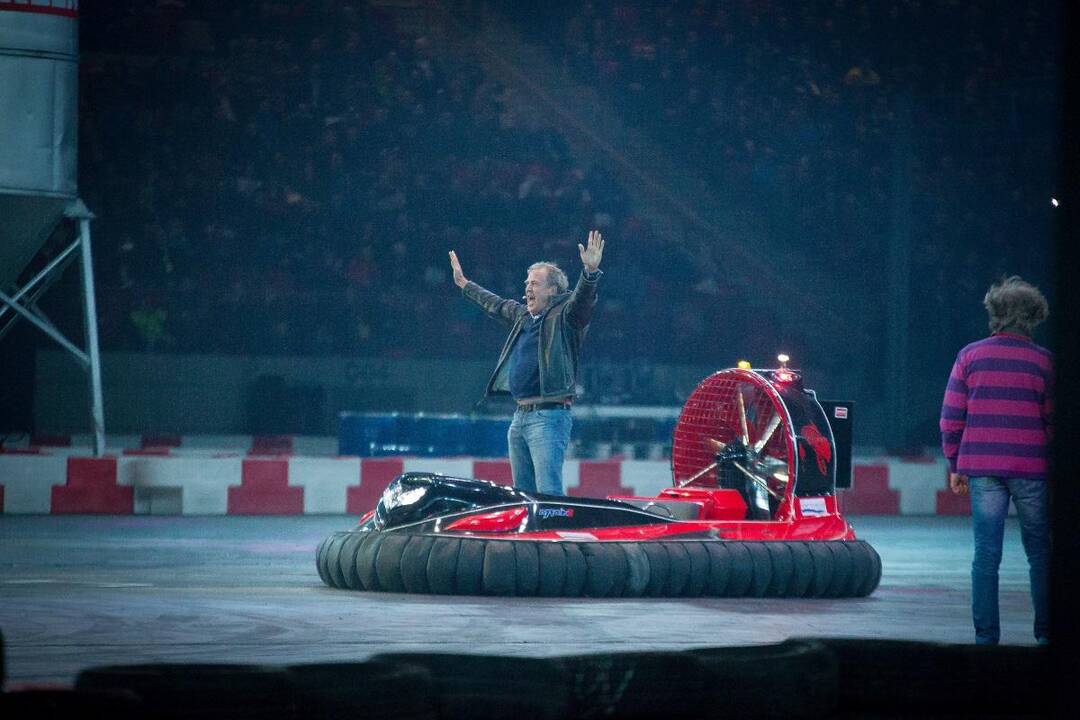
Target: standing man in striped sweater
{"type": "Point", "coordinates": [995, 431]}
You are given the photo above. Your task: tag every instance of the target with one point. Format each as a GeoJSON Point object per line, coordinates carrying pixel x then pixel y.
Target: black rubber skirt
{"type": "Point", "coordinates": [443, 565]}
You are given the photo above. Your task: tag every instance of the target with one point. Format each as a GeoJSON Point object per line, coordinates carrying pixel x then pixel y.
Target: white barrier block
{"type": "Point", "coordinates": [325, 481]}
{"type": "Point", "coordinates": [206, 452]}
{"type": "Point", "coordinates": [918, 484]}
{"type": "Point", "coordinates": [455, 467]}
{"type": "Point", "coordinates": [204, 482]}
{"type": "Point", "coordinates": [158, 500]}
{"type": "Point", "coordinates": [571, 474]}
{"type": "Point", "coordinates": [28, 481]}
{"type": "Point", "coordinates": [74, 451]}
{"type": "Point", "coordinates": [646, 477]}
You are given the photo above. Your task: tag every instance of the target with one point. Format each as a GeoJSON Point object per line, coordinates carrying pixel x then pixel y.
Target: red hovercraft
{"type": "Point", "coordinates": [752, 513]}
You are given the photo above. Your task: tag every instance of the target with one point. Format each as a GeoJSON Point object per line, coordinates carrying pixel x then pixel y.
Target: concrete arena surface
{"type": "Point", "coordinates": [83, 591]}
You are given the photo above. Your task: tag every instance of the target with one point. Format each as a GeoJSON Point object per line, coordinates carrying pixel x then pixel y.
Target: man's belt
{"type": "Point", "coordinates": [529, 407]}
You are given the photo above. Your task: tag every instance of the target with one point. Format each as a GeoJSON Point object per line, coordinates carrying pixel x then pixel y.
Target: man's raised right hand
{"type": "Point", "coordinates": [459, 277]}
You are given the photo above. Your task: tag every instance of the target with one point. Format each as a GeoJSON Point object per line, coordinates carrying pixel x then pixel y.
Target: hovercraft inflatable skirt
{"type": "Point", "coordinates": [420, 563]}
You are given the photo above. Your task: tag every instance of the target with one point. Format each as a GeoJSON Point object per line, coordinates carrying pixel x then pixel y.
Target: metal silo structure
{"type": "Point", "coordinates": [39, 73]}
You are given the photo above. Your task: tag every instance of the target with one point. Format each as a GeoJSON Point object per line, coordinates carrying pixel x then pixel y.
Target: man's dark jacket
{"type": "Point", "coordinates": [561, 334]}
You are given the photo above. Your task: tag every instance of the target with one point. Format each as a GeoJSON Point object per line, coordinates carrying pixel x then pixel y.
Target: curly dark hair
{"type": "Point", "coordinates": [1015, 305]}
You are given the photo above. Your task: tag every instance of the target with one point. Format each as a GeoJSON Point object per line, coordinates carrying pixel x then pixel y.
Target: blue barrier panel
{"type": "Point", "coordinates": [419, 434]}
{"type": "Point", "coordinates": [483, 436]}
{"type": "Point", "coordinates": [487, 437]}
{"type": "Point", "coordinates": [366, 434]}
{"type": "Point", "coordinates": [432, 435]}
{"type": "Point", "coordinates": [664, 429]}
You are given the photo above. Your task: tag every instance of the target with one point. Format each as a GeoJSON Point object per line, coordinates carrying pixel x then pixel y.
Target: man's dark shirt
{"type": "Point", "coordinates": [524, 363]}
{"type": "Point", "coordinates": [561, 334]}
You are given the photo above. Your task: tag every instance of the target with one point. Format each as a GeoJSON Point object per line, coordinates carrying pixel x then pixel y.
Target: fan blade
{"type": "Point", "coordinates": [774, 422]}
{"type": "Point", "coordinates": [742, 419]}
{"type": "Point", "coordinates": [714, 445]}
{"type": "Point", "coordinates": [759, 481]}
{"type": "Point", "coordinates": [768, 465]}
{"type": "Point", "coordinates": [698, 474]}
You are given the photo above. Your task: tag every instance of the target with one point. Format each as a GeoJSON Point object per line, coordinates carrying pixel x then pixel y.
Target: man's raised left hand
{"type": "Point", "coordinates": [590, 256]}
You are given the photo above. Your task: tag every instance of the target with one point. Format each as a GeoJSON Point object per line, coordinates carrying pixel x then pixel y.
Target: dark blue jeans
{"type": "Point", "coordinates": [989, 508]}
{"type": "Point", "coordinates": [538, 441]}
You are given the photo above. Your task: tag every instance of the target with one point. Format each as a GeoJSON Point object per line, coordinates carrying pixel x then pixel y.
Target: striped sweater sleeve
{"type": "Point", "coordinates": [1048, 405]}
{"type": "Point", "coordinates": [954, 412]}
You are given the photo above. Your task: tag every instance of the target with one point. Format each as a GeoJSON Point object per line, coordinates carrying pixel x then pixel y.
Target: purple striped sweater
{"type": "Point", "coordinates": [996, 416]}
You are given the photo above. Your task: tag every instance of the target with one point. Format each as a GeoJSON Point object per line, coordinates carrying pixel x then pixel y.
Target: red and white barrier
{"type": "Point", "coordinates": [154, 482]}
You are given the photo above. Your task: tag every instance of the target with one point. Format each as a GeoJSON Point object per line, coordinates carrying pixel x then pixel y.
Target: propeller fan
{"type": "Point", "coordinates": [735, 421]}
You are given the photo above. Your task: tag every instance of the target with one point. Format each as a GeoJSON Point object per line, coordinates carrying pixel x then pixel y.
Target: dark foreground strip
{"type": "Point", "coordinates": [798, 678]}
{"type": "Point", "coordinates": [401, 562]}
{"type": "Point", "coordinates": [925, 679]}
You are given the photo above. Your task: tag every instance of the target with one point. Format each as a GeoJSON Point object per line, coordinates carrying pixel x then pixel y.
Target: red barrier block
{"type": "Point", "coordinates": [161, 441]}
{"type": "Point", "coordinates": [91, 488]}
{"type": "Point", "coordinates": [375, 475]}
{"type": "Point", "coordinates": [271, 445]}
{"type": "Point", "coordinates": [599, 479]}
{"type": "Point", "coordinates": [946, 502]}
{"type": "Point", "coordinates": [497, 471]}
{"type": "Point", "coordinates": [264, 490]}
{"type": "Point", "coordinates": [870, 493]}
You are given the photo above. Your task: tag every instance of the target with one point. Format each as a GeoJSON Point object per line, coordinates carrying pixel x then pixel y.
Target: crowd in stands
{"type": "Point", "coordinates": [286, 177]}
{"type": "Point", "coordinates": [293, 184]}
{"type": "Point", "coordinates": [812, 112]}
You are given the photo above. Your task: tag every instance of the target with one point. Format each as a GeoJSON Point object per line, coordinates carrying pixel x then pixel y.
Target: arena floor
{"type": "Point", "coordinates": [81, 591]}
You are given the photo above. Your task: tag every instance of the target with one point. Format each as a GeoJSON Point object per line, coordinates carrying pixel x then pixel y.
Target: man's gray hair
{"type": "Point", "coordinates": [555, 275]}
{"type": "Point", "coordinates": [1015, 305]}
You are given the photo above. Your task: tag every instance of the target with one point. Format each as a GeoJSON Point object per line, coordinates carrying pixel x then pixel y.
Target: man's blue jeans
{"type": "Point", "coordinates": [989, 508]}
{"type": "Point", "coordinates": [538, 441]}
